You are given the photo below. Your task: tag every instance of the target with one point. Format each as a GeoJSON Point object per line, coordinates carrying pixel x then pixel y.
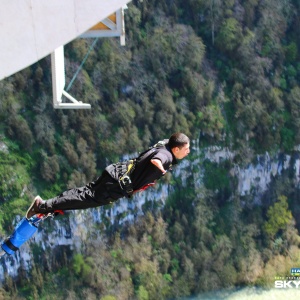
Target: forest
{"type": "Point", "coordinates": [225, 73]}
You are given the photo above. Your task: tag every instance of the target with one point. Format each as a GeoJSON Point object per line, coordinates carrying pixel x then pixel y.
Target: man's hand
{"type": "Point", "coordinates": [157, 163]}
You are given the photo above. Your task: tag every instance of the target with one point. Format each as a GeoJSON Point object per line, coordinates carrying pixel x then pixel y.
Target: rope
{"type": "Point", "coordinates": [81, 65]}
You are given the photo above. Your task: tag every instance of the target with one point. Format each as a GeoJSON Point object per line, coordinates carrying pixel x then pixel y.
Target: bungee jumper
{"type": "Point", "coordinates": [118, 180]}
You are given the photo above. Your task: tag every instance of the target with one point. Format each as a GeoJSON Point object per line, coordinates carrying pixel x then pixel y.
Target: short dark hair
{"type": "Point", "coordinates": [178, 139]}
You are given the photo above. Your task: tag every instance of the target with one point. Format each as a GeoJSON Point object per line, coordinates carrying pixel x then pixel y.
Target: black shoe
{"type": "Point", "coordinates": [34, 207]}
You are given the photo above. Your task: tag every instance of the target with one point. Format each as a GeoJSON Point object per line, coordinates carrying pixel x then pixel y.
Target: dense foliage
{"type": "Point", "coordinates": [227, 71]}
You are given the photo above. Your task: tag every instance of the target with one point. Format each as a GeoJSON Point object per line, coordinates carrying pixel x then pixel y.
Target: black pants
{"type": "Point", "coordinates": [104, 190]}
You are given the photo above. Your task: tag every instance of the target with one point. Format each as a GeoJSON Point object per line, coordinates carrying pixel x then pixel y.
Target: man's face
{"type": "Point", "coordinates": [183, 152]}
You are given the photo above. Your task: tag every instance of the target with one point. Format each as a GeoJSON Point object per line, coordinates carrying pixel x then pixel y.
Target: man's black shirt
{"type": "Point", "coordinates": [146, 172]}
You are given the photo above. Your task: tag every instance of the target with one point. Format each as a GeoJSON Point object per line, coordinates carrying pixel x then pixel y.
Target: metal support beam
{"type": "Point", "coordinates": [58, 83]}
{"type": "Point", "coordinates": [112, 26]}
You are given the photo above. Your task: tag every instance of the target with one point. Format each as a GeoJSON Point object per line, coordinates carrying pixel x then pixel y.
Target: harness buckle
{"type": "Point", "coordinates": [126, 184]}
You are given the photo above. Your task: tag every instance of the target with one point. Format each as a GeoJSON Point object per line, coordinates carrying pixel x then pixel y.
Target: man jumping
{"type": "Point", "coordinates": [119, 180]}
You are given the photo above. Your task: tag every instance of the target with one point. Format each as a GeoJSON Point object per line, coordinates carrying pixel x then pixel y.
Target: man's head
{"type": "Point", "coordinates": [179, 144]}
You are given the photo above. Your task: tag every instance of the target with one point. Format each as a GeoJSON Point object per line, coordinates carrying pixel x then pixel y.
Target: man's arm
{"type": "Point", "coordinates": [159, 165]}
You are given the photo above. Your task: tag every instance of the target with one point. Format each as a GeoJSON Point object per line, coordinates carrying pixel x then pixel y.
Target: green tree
{"type": "Point", "coordinates": [211, 121]}
{"type": "Point", "coordinates": [142, 293]}
{"type": "Point", "coordinates": [50, 168]}
{"type": "Point", "coordinates": [229, 35]}
{"type": "Point", "coordinates": [44, 130]}
{"type": "Point", "coordinates": [82, 266]}
{"type": "Point", "coordinates": [274, 18]}
{"type": "Point", "coordinates": [291, 52]}
{"type": "Point", "coordinates": [20, 130]}
{"type": "Point", "coordinates": [108, 297]}
{"type": "Point", "coordinates": [294, 103]}
{"type": "Point", "coordinates": [279, 216]}
{"type": "Point", "coordinates": [70, 153]}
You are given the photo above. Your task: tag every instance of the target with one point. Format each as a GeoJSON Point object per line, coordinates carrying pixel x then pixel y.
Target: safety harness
{"type": "Point", "coordinates": [124, 180]}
